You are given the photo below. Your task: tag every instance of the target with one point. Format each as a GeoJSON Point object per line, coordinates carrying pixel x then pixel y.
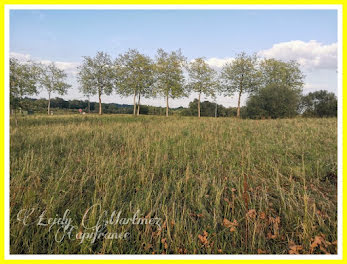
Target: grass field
{"type": "Point", "coordinates": [220, 186]}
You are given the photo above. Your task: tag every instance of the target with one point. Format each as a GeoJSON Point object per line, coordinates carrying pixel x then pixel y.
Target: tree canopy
{"type": "Point", "coordinates": [280, 73]}
{"type": "Point", "coordinates": [97, 76]}
{"type": "Point", "coordinates": [319, 104]}
{"type": "Point", "coordinates": [169, 75]}
{"type": "Point", "coordinates": [202, 79]}
{"type": "Point", "coordinates": [279, 90]}
{"type": "Point", "coordinates": [53, 81]}
{"type": "Point", "coordinates": [240, 76]}
{"type": "Point", "coordinates": [134, 76]}
{"type": "Point", "coordinates": [23, 81]}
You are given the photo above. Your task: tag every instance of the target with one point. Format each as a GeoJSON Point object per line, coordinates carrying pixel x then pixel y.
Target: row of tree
{"type": "Point", "coordinates": [133, 73]}
{"type": "Point", "coordinates": [27, 78]}
{"type": "Point", "coordinates": [168, 75]}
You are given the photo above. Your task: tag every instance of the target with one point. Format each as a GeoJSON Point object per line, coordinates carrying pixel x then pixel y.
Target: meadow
{"type": "Point", "coordinates": [218, 185]}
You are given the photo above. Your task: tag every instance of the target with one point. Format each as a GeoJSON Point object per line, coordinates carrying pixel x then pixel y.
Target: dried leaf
{"type": "Point", "coordinates": [229, 224]}
{"type": "Point", "coordinates": [251, 213]}
{"type": "Point", "coordinates": [294, 249]}
{"type": "Point", "coordinates": [262, 215]}
{"type": "Point", "coordinates": [271, 236]}
{"type": "Point", "coordinates": [260, 251]}
{"type": "Point", "coordinates": [203, 239]}
{"type": "Point", "coordinates": [318, 241]}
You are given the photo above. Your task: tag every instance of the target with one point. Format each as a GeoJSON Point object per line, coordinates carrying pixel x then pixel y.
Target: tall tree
{"type": "Point", "coordinates": [23, 81]}
{"type": "Point", "coordinates": [202, 79]}
{"type": "Point", "coordinates": [273, 101]}
{"type": "Point", "coordinates": [279, 90]}
{"type": "Point", "coordinates": [319, 104]}
{"type": "Point", "coordinates": [169, 75]}
{"type": "Point", "coordinates": [97, 76]}
{"type": "Point", "coordinates": [52, 79]}
{"type": "Point", "coordinates": [240, 76]}
{"type": "Point", "coordinates": [135, 76]}
{"type": "Point", "coordinates": [280, 73]}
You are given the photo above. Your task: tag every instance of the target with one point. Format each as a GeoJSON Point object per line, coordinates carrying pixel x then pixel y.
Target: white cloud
{"type": "Point", "coordinates": [20, 56]}
{"type": "Point", "coordinates": [69, 67]}
{"type": "Point", "coordinates": [218, 62]}
{"type": "Point", "coordinates": [311, 55]}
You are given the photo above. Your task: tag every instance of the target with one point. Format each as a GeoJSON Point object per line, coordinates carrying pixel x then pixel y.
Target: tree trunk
{"type": "Point", "coordinates": [49, 104]}
{"type": "Point", "coordinates": [215, 111]}
{"type": "Point", "coordinates": [15, 117]}
{"type": "Point", "coordinates": [167, 104]}
{"type": "Point", "coordinates": [135, 103]}
{"type": "Point", "coordinates": [138, 106]}
{"type": "Point", "coordinates": [238, 105]}
{"type": "Point", "coordinates": [199, 104]}
{"type": "Point", "coordinates": [88, 105]}
{"type": "Point", "coordinates": [100, 106]}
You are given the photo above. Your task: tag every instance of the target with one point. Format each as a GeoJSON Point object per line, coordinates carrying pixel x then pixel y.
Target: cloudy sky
{"type": "Point", "coordinates": [64, 36]}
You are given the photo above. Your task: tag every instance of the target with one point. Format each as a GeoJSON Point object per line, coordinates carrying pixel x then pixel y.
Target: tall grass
{"type": "Point", "coordinates": [220, 186]}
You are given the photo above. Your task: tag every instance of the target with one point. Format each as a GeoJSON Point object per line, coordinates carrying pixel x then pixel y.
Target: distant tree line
{"type": "Point", "coordinates": [64, 106]}
{"type": "Point", "coordinates": [274, 87]}
{"type": "Point", "coordinates": [310, 106]}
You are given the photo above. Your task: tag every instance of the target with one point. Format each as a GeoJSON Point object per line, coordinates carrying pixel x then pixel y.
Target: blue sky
{"type": "Point", "coordinates": [64, 36]}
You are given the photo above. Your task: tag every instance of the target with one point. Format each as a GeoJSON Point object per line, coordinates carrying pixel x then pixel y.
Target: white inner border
{"type": "Point", "coordinates": [177, 257]}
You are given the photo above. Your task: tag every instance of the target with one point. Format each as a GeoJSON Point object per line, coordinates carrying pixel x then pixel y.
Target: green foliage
{"type": "Point", "coordinates": [52, 79]}
{"type": "Point", "coordinates": [279, 73]}
{"type": "Point", "coordinates": [240, 76]}
{"type": "Point", "coordinates": [208, 109]}
{"type": "Point", "coordinates": [169, 74]}
{"type": "Point", "coordinates": [61, 106]}
{"type": "Point", "coordinates": [202, 78]}
{"type": "Point", "coordinates": [273, 101]}
{"type": "Point", "coordinates": [23, 81]}
{"type": "Point", "coordinates": [319, 104]}
{"type": "Point", "coordinates": [134, 74]}
{"type": "Point", "coordinates": [280, 90]}
{"type": "Point", "coordinates": [96, 74]}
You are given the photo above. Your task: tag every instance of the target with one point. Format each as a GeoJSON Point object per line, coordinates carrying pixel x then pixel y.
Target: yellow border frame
{"type": "Point", "coordinates": [66, 2]}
